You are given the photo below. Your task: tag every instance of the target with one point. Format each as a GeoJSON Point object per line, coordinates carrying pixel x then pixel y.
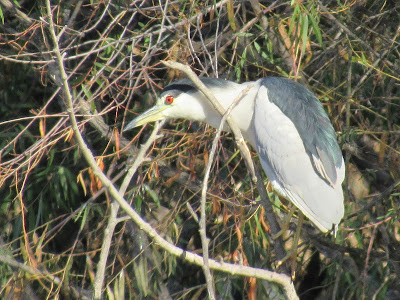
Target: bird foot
{"type": "Point", "coordinates": [291, 259]}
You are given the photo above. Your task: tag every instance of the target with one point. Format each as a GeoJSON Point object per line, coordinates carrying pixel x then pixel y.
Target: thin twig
{"type": "Point", "coordinates": [141, 156]}
{"type": "Point", "coordinates": [365, 271]}
{"type": "Point", "coordinates": [113, 220]}
{"type": "Point", "coordinates": [218, 107]}
{"type": "Point", "coordinates": [202, 223]}
{"type": "Point", "coordinates": [105, 249]}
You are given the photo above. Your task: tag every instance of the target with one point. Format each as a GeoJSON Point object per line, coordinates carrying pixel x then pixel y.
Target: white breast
{"type": "Point", "coordinates": [288, 166]}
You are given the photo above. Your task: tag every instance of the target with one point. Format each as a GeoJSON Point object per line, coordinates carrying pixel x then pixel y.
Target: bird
{"type": "Point", "coordinates": [285, 124]}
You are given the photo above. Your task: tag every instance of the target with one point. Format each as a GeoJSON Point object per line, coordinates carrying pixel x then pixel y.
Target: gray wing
{"type": "Point", "coordinates": [300, 165]}
{"type": "Point", "coordinates": [312, 123]}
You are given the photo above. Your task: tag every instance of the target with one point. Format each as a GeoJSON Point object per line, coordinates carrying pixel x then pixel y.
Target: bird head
{"type": "Point", "coordinates": [179, 100]}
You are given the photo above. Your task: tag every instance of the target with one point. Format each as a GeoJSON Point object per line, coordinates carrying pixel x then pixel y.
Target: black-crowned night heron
{"type": "Point", "coordinates": [287, 126]}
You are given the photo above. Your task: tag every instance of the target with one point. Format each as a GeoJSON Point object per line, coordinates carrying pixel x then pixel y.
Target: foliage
{"type": "Point", "coordinates": [54, 211]}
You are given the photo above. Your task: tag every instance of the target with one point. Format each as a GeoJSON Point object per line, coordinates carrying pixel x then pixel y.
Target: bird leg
{"type": "Point", "coordinates": [292, 253]}
{"type": "Point", "coordinates": [285, 224]}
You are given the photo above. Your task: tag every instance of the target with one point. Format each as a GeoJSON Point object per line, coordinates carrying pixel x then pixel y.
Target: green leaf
{"type": "Point", "coordinates": [138, 203]}
{"type": "Point", "coordinates": [1, 15]}
{"type": "Point", "coordinates": [317, 30]}
{"type": "Point", "coordinates": [84, 217]}
{"type": "Point", "coordinates": [293, 19]}
{"type": "Point", "coordinates": [119, 286]}
{"type": "Point", "coordinates": [243, 34]}
{"type": "Point", "coordinates": [244, 55]}
{"type": "Point", "coordinates": [141, 274]}
{"type": "Point", "coordinates": [16, 3]}
{"type": "Point", "coordinates": [304, 37]}
{"type": "Point", "coordinates": [152, 194]}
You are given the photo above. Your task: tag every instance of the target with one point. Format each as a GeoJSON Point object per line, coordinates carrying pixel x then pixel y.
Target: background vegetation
{"type": "Point", "coordinates": [54, 210]}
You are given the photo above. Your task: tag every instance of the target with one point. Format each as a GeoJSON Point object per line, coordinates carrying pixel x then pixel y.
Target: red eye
{"type": "Point", "coordinates": [169, 99]}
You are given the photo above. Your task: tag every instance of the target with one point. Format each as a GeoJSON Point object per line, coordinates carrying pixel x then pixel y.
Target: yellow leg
{"type": "Point", "coordinates": [285, 224]}
{"type": "Point", "coordinates": [292, 253]}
